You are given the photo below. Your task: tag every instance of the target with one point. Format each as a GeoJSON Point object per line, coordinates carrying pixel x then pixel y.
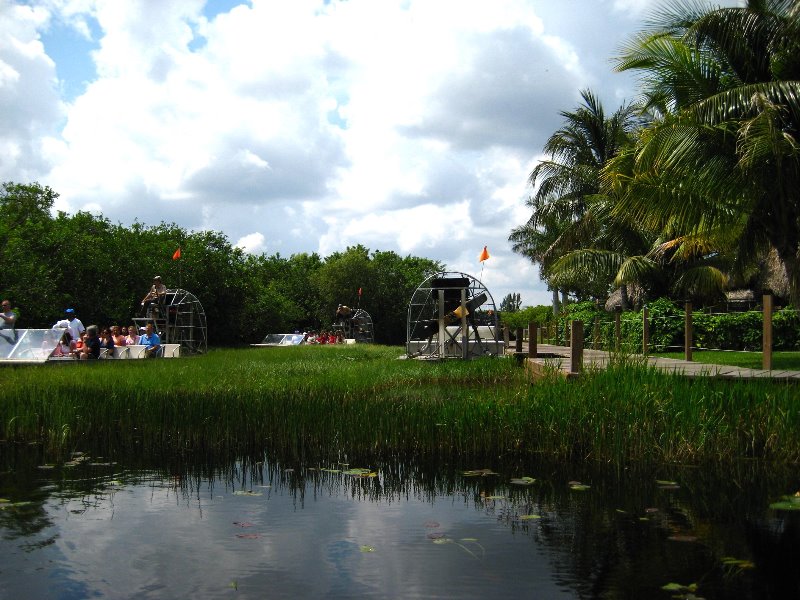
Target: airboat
{"type": "Point", "coordinates": [354, 325]}
{"type": "Point", "coordinates": [452, 315]}
{"type": "Point", "coordinates": [280, 340]}
{"type": "Point", "coordinates": [178, 318]}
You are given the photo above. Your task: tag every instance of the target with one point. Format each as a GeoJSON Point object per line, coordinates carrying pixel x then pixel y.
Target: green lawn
{"type": "Point", "coordinates": [750, 360]}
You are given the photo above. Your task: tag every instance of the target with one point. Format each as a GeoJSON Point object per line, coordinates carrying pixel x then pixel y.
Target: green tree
{"type": "Point", "coordinates": [720, 162]}
{"type": "Point", "coordinates": [25, 252]}
{"type": "Point", "coordinates": [567, 182]}
{"type": "Point", "coordinates": [511, 303]}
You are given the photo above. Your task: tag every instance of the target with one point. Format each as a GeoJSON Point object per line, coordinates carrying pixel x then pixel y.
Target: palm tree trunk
{"type": "Point", "coordinates": [791, 261]}
{"type": "Point", "coordinates": [556, 303]}
{"type": "Point", "coordinates": [625, 302]}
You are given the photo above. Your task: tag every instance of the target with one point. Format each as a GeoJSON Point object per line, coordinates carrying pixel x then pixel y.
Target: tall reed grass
{"type": "Point", "coordinates": [317, 403]}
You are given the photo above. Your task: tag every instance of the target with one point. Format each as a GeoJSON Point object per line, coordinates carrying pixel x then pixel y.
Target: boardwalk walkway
{"type": "Point", "coordinates": [559, 357]}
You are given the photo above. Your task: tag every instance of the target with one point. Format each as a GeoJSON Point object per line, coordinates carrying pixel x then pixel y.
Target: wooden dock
{"type": "Point", "coordinates": [559, 358]}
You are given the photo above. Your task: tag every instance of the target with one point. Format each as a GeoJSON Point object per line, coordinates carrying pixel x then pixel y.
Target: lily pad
{"type": "Point", "coordinates": [248, 536]}
{"type": "Point", "coordinates": [679, 537]}
{"type": "Point", "coordinates": [367, 548]}
{"type": "Point", "coordinates": [246, 493]}
{"type": "Point", "coordinates": [740, 563]}
{"type": "Point", "coordinates": [677, 587]}
{"type": "Point", "coordinates": [442, 540]}
{"type": "Point", "coordinates": [523, 481]}
{"type": "Point", "coordinates": [479, 473]}
{"type": "Point", "coordinates": [579, 487]}
{"type": "Point", "coordinates": [530, 517]}
{"type": "Point", "coordinates": [787, 503]}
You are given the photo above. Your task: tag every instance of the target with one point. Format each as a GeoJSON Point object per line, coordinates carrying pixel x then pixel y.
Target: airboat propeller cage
{"type": "Point", "coordinates": [180, 319]}
{"type": "Point", "coordinates": [452, 315]}
{"type": "Point", "coordinates": [355, 324]}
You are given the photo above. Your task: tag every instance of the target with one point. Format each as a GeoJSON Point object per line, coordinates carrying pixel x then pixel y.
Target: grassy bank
{"type": "Point", "coordinates": [341, 402]}
{"type": "Point", "coordinates": [781, 361]}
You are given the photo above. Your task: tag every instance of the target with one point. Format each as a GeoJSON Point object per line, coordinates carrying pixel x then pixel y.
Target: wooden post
{"type": "Point", "coordinates": [645, 332]}
{"type": "Point", "coordinates": [596, 334]}
{"type": "Point", "coordinates": [518, 336]}
{"type": "Point", "coordinates": [533, 331]}
{"type": "Point", "coordinates": [506, 337]}
{"type": "Point", "coordinates": [617, 329]}
{"type": "Point", "coordinates": [687, 328]}
{"type": "Point", "coordinates": [766, 356]}
{"type": "Point", "coordinates": [576, 347]}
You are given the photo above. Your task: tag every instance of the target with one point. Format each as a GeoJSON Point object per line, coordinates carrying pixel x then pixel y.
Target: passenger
{"type": "Point", "coordinates": [117, 335]}
{"type": "Point", "coordinates": [91, 344]}
{"type": "Point", "coordinates": [107, 342]}
{"type": "Point", "coordinates": [322, 338]}
{"type": "Point", "coordinates": [71, 323]}
{"type": "Point", "coordinates": [332, 338]}
{"type": "Point", "coordinates": [65, 347]}
{"type": "Point", "coordinates": [154, 297]}
{"type": "Point", "coordinates": [132, 339]}
{"type": "Point", "coordinates": [78, 345]}
{"type": "Point", "coordinates": [151, 340]}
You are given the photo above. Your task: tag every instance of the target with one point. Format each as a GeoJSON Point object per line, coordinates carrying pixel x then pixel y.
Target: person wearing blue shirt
{"type": "Point", "coordinates": [151, 340]}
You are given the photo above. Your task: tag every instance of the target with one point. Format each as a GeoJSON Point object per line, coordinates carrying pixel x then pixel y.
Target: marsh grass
{"type": "Point", "coordinates": [360, 403]}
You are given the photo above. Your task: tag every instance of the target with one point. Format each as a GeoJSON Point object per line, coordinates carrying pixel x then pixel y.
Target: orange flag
{"type": "Point", "coordinates": [177, 254]}
{"type": "Point", "coordinates": [484, 255]}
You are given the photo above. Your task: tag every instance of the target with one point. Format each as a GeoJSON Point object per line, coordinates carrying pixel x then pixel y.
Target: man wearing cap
{"type": "Point", "coordinates": [155, 296]}
{"type": "Point", "coordinates": [71, 323]}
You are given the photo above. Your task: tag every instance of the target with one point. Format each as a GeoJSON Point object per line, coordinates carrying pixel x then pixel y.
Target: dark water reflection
{"type": "Point", "coordinates": [264, 527]}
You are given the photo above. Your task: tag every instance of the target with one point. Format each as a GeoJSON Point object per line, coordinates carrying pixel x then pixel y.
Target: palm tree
{"type": "Point", "coordinates": [566, 182]}
{"type": "Point", "coordinates": [721, 160]}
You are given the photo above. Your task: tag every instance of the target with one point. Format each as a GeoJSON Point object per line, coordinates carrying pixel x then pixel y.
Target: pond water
{"type": "Point", "coordinates": [260, 528]}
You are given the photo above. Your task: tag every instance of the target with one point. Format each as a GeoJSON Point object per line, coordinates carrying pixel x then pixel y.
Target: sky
{"type": "Point", "coordinates": [307, 125]}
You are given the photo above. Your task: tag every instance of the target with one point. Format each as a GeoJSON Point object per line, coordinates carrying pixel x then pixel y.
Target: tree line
{"type": "Point", "coordinates": [102, 270]}
{"type": "Point", "coordinates": [694, 188]}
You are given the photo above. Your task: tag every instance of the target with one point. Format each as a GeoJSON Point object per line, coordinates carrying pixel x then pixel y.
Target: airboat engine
{"type": "Point", "coordinates": [452, 315]}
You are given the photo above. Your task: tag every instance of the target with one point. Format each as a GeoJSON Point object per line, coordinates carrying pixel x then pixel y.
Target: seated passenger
{"type": "Point", "coordinates": [65, 347]}
{"type": "Point", "coordinates": [132, 339]}
{"type": "Point", "coordinates": [332, 338]}
{"type": "Point", "coordinates": [107, 342]}
{"type": "Point", "coordinates": [118, 337]}
{"type": "Point", "coordinates": [91, 344]}
{"type": "Point", "coordinates": [151, 340]}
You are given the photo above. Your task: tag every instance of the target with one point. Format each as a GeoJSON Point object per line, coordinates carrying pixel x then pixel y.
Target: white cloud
{"type": "Point", "coordinates": [252, 243]}
{"type": "Point", "coordinates": [406, 125]}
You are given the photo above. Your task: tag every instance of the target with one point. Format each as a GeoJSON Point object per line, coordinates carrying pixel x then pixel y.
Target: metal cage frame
{"type": "Point", "coordinates": [452, 315]}
{"type": "Point", "coordinates": [179, 318]}
{"type": "Point", "coordinates": [357, 326]}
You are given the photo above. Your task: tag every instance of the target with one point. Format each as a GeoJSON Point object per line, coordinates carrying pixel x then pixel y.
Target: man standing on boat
{"type": "Point", "coordinates": [154, 297]}
{"type": "Point", "coordinates": [8, 320]}
{"type": "Point", "coordinates": [151, 340]}
{"type": "Point", "coordinates": [71, 323]}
